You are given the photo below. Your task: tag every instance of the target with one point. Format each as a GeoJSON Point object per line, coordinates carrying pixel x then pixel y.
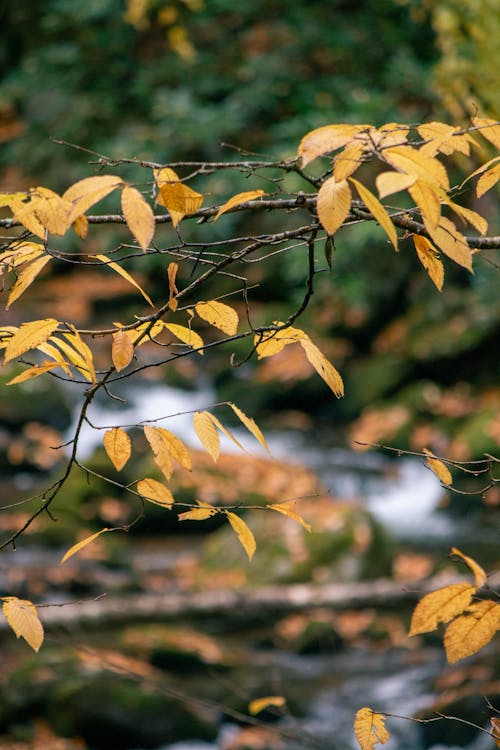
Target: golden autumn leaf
{"type": "Point", "coordinates": [161, 454]}
{"type": "Point", "coordinates": [56, 354]}
{"type": "Point", "coordinates": [24, 212]}
{"type": "Point", "coordinates": [284, 509]}
{"type": "Point", "coordinates": [85, 193]}
{"type": "Point", "coordinates": [186, 335]}
{"type": "Point", "coordinates": [377, 210]}
{"type": "Point", "coordinates": [73, 354]}
{"type": "Point", "coordinates": [22, 616]}
{"type": "Point", "coordinates": [155, 492]}
{"type": "Point", "coordinates": [33, 372]}
{"type": "Point", "coordinates": [411, 161]}
{"type": "Point", "coordinates": [175, 447]}
{"type": "Point", "coordinates": [198, 514]}
{"type": "Point", "coordinates": [118, 269]}
{"type": "Point", "coordinates": [28, 336]}
{"type": "Point", "coordinates": [272, 342]}
{"type": "Point", "coordinates": [438, 135]}
{"type": "Point", "coordinates": [80, 545]}
{"type": "Point", "coordinates": [489, 129]}
{"type": "Point", "coordinates": [122, 350]}
{"type": "Point", "coordinates": [84, 352]}
{"type": "Point", "coordinates": [20, 253]}
{"type": "Point", "coordinates": [222, 316]}
{"type": "Point", "coordinates": [440, 606]}
{"type": "Point", "coordinates": [7, 198]}
{"type": "Point", "coordinates": [369, 728]}
{"type": "Point", "coordinates": [452, 243]}
{"type": "Point", "coordinates": [323, 367]}
{"type": "Point", "coordinates": [179, 200]}
{"type": "Point", "coordinates": [429, 258]}
{"type": "Point", "coordinates": [118, 447]}
{"type": "Point", "coordinates": [393, 134]}
{"type": "Point", "coordinates": [389, 183]}
{"type": "Point", "coordinates": [237, 200]}
{"type": "Point", "coordinates": [488, 180]}
{"type": "Point", "coordinates": [251, 425]}
{"type": "Point", "coordinates": [472, 217]}
{"type": "Point", "coordinates": [225, 431]}
{"type": "Point", "coordinates": [427, 199]}
{"type": "Point", "coordinates": [138, 215]}
{"type": "Point", "coordinates": [326, 139]}
{"type": "Point", "coordinates": [470, 632]}
{"type": "Point", "coordinates": [25, 277]}
{"type": "Point", "coordinates": [259, 704]}
{"type": "Point", "coordinates": [348, 161]}
{"type": "Point", "coordinates": [52, 211]}
{"type": "Point", "coordinates": [438, 468]}
{"type": "Point", "coordinates": [245, 536]}
{"type": "Point", "coordinates": [172, 289]}
{"type": "Point", "coordinates": [333, 204]}
{"type": "Point", "coordinates": [207, 433]}
{"type": "Point", "coordinates": [480, 576]}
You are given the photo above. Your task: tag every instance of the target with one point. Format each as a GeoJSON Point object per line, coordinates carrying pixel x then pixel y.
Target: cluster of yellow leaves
{"type": "Point", "coordinates": [472, 623]}
{"type": "Point", "coordinates": [414, 168]}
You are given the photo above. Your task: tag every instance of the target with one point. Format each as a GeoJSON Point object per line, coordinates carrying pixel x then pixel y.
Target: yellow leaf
{"type": "Point", "coordinates": [326, 139]}
{"type": "Point", "coordinates": [155, 492]}
{"type": "Point", "coordinates": [251, 425]}
{"type": "Point", "coordinates": [323, 367]}
{"type": "Point", "coordinates": [218, 314]}
{"type": "Point", "coordinates": [116, 267]}
{"type": "Point", "coordinates": [80, 545]}
{"type": "Point", "coordinates": [118, 447]}
{"type": "Point", "coordinates": [348, 161]}
{"type": "Point", "coordinates": [52, 211]}
{"type": "Point", "coordinates": [285, 509]}
{"type": "Point", "coordinates": [472, 217]}
{"type": "Point", "coordinates": [20, 253]}
{"type": "Point", "coordinates": [237, 200]}
{"type": "Point", "coordinates": [259, 704]}
{"type": "Point", "coordinates": [162, 440]}
{"type": "Point", "coordinates": [122, 350]}
{"type": "Point", "coordinates": [33, 372]}
{"type": "Point", "coordinates": [55, 353]}
{"type": "Point", "coordinates": [207, 433]}
{"type": "Point", "coordinates": [440, 606]}
{"type": "Point", "coordinates": [369, 729]}
{"type": "Point", "coordinates": [71, 353]}
{"type": "Point", "coordinates": [186, 335]}
{"type": "Point", "coordinates": [389, 183]}
{"type": "Point", "coordinates": [245, 536]}
{"type": "Point", "coordinates": [377, 210]}
{"type": "Point", "coordinates": [429, 258]}
{"type": "Point", "coordinates": [411, 161]}
{"type": "Point", "coordinates": [172, 273]}
{"type": "Point", "coordinates": [25, 277]}
{"type": "Point", "coordinates": [25, 214]}
{"type": "Point", "coordinates": [179, 199]}
{"type": "Point", "coordinates": [333, 204]}
{"type": "Point", "coordinates": [84, 352]}
{"type": "Point", "coordinates": [138, 215]}
{"type": "Point", "coordinates": [7, 198]}
{"type": "Point", "coordinates": [470, 632]}
{"type": "Point", "coordinates": [452, 243]}
{"type": "Point", "coordinates": [29, 336]}
{"type": "Point", "coordinates": [22, 616]}
{"type": "Point", "coordinates": [161, 454]}
{"type": "Point", "coordinates": [198, 514]}
{"type": "Point", "coordinates": [488, 180]}
{"type": "Point", "coordinates": [489, 129]}
{"type": "Point", "coordinates": [272, 342]}
{"type": "Point", "coordinates": [226, 432]}
{"type": "Point", "coordinates": [479, 574]}
{"type": "Point", "coordinates": [436, 134]}
{"type": "Point", "coordinates": [438, 468]}
{"type": "Point", "coordinates": [428, 202]}
{"type": "Point", "coordinates": [165, 175]}
{"type": "Point", "coordinates": [85, 193]}
{"type": "Point", "coordinates": [81, 226]}
{"type": "Point", "coordinates": [393, 134]}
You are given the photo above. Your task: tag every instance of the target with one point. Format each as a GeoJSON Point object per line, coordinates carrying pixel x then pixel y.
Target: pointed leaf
{"type": "Point", "coordinates": [53, 212]}
{"type": "Point", "coordinates": [218, 314]}
{"type": "Point", "coordinates": [472, 217]}
{"type": "Point", "coordinates": [323, 367]}
{"type": "Point", "coordinates": [80, 545]}
{"type": "Point", "coordinates": [429, 258]}
{"type": "Point", "coordinates": [480, 576]}
{"type": "Point", "coordinates": [20, 253]}
{"type": "Point", "coordinates": [251, 425]}
{"type": "Point", "coordinates": [29, 336]}
{"type": "Point", "coordinates": [369, 729]}
{"type": "Point", "coordinates": [237, 200]}
{"type": "Point", "coordinates": [198, 514]}
{"type": "Point", "coordinates": [489, 129]}
{"type": "Point", "coordinates": [377, 210]}
{"type": "Point", "coordinates": [186, 335]}
{"type": "Point", "coordinates": [25, 214]}
{"type": "Point", "coordinates": [347, 162]}
{"type": "Point", "coordinates": [472, 631]}
{"type": "Point", "coordinates": [285, 509]}
{"type": "Point", "coordinates": [118, 447]}
{"type": "Point", "coordinates": [155, 492]}
{"type": "Point", "coordinates": [488, 180]}
{"type": "Point", "coordinates": [180, 200]}
{"type": "Point", "coordinates": [116, 267]}
{"type": "Point", "coordinates": [245, 536]}
{"type": "Point", "coordinates": [85, 193]}
{"type": "Point", "coordinates": [26, 277]}
{"type": "Point", "coordinates": [138, 215]}
{"type": "Point", "coordinates": [326, 139]}
{"type": "Point", "coordinates": [438, 468]}
{"type": "Point", "coordinates": [441, 606]}
{"type": "Point", "coordinates": [71, 353]}
{"type": "Point", "coordinates": [452, 243]}
{"type": "Point", "coordinates": [22, 616]}
{"type": "Point", "coordinates": [207, 433]}
{"type": "Point", "coordinates": [83, 350]}
{"type": "Point", "coordinates": [226, 432]}
{"type": "Point", "coordinates": [428, 202]}
{"type": "Point", "coordinates": [411, 161]}
{"type": "Point", "coordinates": [33, 372]}
{"type": "Point", "coordinates": [161, 454]}
{"type": "Point", "coordinates": [175, 447]}
{"type": "Point", "coordinates": [333, 204]}
{"type": "Point", "coordinates": [172, 289]}
{"type": "Point", "coordinates": [259, 704]}
{"type": "Point", "coordinates": [272, 342]}
{"type": "Point", "coordinates": [122, 350]}
{"type": "Point", "coordinates": [389, 183]}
